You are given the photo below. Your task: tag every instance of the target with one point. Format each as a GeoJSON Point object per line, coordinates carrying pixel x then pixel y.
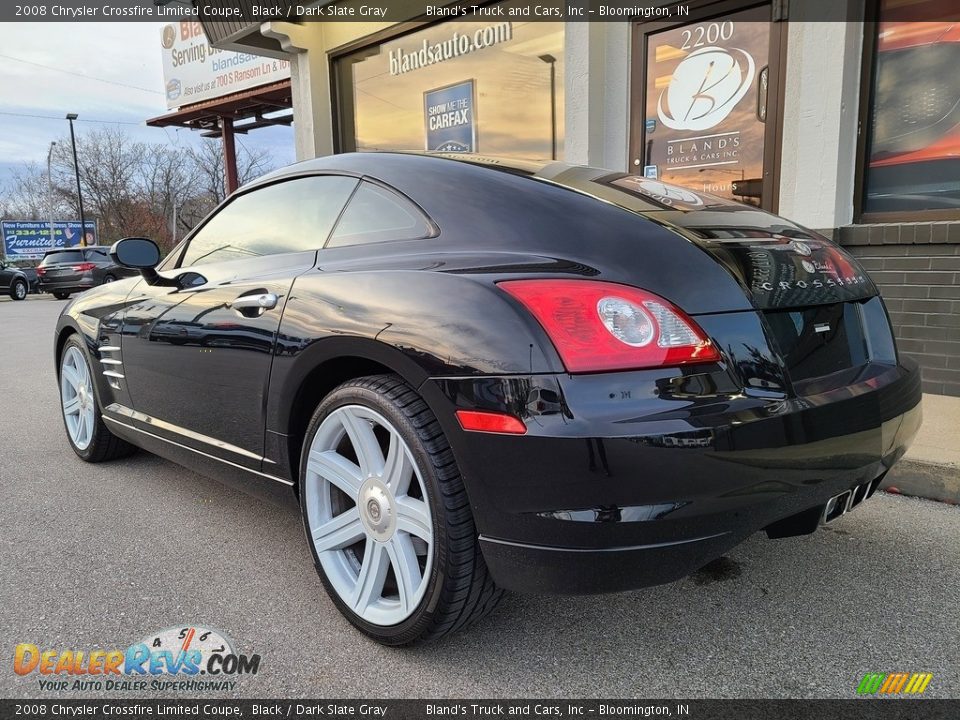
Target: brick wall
{"type": "Point", "coordinates": [917, 268]}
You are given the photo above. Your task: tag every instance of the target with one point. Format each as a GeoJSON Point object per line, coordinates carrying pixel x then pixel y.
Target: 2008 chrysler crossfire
{"type": "Point", "coordinates": [475, 374]}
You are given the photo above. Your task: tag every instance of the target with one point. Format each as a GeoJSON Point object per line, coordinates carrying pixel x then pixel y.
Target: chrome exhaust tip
{"type": "Point", "coordinates": [836, 506]}
{"type": "Point", "coordinates": [846, 501]}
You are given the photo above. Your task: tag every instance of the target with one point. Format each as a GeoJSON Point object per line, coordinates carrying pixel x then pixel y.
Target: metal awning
{"type": "Point", "coordinates": [247, 110]}
{"type": "Point", "coordinates": [236, 113]}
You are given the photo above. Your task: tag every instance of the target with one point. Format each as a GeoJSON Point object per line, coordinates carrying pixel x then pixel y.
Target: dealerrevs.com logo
{"type": "Point", "coordinates": [191, 658]}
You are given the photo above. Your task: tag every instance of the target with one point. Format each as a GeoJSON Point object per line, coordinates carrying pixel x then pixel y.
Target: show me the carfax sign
{"type": "Point", "coordinates": [449, 115]}
{"type": "Point", "coordinates": [194, 71]}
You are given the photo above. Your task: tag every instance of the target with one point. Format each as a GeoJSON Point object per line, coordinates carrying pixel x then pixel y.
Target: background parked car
{"type": "Point", "coordinates": [14, 281]}
{"type": "Point", "coordinates": [76, 269]}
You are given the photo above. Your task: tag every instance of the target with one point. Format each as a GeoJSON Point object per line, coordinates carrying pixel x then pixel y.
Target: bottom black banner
{"type": "Point", "coordinates": [892, 709]}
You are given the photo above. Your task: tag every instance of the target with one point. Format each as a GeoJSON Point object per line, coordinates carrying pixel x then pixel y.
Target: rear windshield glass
{"type": "Point", "coordinates": [62, 256]}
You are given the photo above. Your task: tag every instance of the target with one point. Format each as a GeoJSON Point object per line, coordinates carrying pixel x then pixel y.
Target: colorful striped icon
{"type": "Point", "coordinates": [894, 683]}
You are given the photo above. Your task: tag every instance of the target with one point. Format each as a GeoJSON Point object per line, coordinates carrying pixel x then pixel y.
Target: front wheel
{"type": "Point", "coordinates": [19, 289]}
{"type": "Point", "coordinates": [88, 435]}
{"type": "Point", "coordinates": [387, 517]}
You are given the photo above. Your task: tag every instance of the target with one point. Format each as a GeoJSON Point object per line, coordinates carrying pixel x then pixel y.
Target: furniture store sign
{"type": "Point", "coordinates": [29, 240]}
{"type": "Point", "coordinates": [450, 117]}
{"type": "Point", "coordinates": [194, 71]}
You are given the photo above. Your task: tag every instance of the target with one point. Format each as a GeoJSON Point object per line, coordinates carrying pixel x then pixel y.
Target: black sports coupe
{"type": "Point", "coordinates": [475, 374]}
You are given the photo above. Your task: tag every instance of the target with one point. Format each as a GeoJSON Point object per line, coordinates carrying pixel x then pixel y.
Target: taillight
{"type": "Point", "coordinates": [597, 326]}
{"type": "Point", "coordinates": [84, 267]}
{"type": "Point", "coordinates": [41, 270]}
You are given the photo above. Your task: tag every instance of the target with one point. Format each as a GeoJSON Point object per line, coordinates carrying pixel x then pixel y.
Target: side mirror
{"type": "Point", "coordinates": [140, 254]}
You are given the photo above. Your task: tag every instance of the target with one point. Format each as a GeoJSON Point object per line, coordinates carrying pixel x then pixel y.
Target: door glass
{"type": "Point", "coordinates": [706, 105]}
{"type": "Point", "coordinates": [285, 217]}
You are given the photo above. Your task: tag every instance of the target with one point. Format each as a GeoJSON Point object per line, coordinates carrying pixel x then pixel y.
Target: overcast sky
{"type": "Point", "coordinates": [101, 71]}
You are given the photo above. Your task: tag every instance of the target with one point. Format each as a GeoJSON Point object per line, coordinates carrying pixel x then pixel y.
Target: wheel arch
{"type": "Point", "coordinates": [296, 391]}
{"type": "Point", "coordinates": [63, 334]}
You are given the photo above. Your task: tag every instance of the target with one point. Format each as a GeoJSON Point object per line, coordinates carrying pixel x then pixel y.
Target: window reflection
{"type": "Point", "coordinates": [493, 88]}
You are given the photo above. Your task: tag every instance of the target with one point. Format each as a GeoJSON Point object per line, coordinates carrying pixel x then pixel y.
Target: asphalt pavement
{"type": "Point", "coordinates": [100, 556]}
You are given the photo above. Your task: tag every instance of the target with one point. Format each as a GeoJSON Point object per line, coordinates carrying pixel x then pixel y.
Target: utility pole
{"type": "Point", "coordinates": [76, 169]}
{"type": "Point", "coordinates": [53, 239]}
{"type": "Point", "coordinates": [552, 62]}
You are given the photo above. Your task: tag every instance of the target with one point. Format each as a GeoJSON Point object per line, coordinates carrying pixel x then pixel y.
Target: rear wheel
{"type": "Point", "coordinates": [387, 517]}
{"type": "Point", "coordinates": [108, 279]}
{"type": "Point", "coordinates": [89, 436]}
{"type": "Point", "coordinates": [59, 295]}
{"type": "Point", "coordinates": [19, 289]}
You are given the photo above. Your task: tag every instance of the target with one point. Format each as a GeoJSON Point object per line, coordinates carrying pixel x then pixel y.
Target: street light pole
{"type": "Point", "coordinates": [552, 62]}
{"type": "Point", "coordinates": [76, 169]}
{"type": "Point", "coordinates": [53, 239]}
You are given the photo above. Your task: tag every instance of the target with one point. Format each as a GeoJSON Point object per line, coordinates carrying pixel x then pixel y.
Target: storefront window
{"type": "Point", "coordinates": [495, 89]}
{"type": "Point", "coordinates": [706, 105]}
{"type": "Point", "coordinates": [914, 147]}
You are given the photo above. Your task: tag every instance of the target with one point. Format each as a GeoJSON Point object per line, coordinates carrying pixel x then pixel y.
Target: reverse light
{"type": "Point", "coordinates": [84, 267]}
{"type": "Point", "coordinates": [492, 422]}
{"type": "Point", "coordinates": [597, 326]}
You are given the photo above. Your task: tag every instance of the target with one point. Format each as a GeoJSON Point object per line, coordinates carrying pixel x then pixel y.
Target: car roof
{"type": "Point", "coordinates": [427, 178]}
{"type": "Point", "coordinates": [77, 247]}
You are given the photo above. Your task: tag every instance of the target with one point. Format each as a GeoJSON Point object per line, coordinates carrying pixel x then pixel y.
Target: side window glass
{"type": "Point", "coordinates": [285, 217]}
{"type": "Point", "coordinates": [376, 214]}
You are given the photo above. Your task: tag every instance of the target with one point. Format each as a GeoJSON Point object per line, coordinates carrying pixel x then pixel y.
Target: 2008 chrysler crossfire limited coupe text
{"type": "Point", "coordinates": [477, 374]}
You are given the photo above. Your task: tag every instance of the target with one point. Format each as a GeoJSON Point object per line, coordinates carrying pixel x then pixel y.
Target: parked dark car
{"type": "Point", "coordinates": [477, 374]}
{"type": "Point", "coordinates": [33, 280]}
{"type": "Point", "coordinates": [14, 281]}
{"type": "Point", "coordinates": [69, 270]}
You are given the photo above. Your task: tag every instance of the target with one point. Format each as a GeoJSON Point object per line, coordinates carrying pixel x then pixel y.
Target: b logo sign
{"type": "Point", "coordinates": [705, 87]}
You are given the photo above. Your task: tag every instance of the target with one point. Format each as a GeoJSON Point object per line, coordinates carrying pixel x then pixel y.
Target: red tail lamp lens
{"type": "Point", "coordinates": [598, 326]}
{"type": "Point", "coordinates": [493, 422]}
{"type": "Point", "coordinates": [84, 267]}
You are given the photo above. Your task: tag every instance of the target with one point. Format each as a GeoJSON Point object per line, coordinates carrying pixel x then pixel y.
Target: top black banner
{"type": "Point", "coordinates": [260, 11]}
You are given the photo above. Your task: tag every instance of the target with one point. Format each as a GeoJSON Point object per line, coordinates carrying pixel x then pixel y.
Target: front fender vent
{"type": "Point", "coordinates": [112, 364]}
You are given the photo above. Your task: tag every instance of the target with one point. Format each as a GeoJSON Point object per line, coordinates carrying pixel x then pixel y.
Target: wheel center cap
{"type": "Point", "coordinates": [377, 510]}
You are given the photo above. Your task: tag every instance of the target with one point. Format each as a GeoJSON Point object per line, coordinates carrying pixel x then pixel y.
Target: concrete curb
{"type": "Point", "coordinates": [925, 480]}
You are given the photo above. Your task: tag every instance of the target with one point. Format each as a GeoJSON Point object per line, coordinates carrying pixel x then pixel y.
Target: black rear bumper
{"type": "Point", "coordinates": [606, 494]}
{"type": "Point", "coordinates": [70, 286]}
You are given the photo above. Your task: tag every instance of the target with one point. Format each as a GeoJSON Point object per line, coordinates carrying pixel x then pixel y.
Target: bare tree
{"type": "Point", "coordinates": [27, 196]}
{"type": "Point", "coordinates": [208, 158]}
{"type": "Point", "coordinates": [129, 187]}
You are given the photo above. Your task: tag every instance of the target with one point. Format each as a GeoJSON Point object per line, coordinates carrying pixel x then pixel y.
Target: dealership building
{"type": "Point", "coordinates": [849, 128]}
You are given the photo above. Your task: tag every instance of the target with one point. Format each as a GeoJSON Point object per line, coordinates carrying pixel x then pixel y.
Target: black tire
{"type": "Point", "coordinates": [460, 589]}
{"type": "Point", "coordinates": [108, 279]}
{"type": "Point", "coordinates": [19, 289]}
{"type": "Point", "coordinates": [60, 295]}
{"type": "Point", "coordinates": [104, 445]}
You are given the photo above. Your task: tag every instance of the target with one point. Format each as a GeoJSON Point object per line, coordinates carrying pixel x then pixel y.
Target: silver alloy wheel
{"type": "Point", "coordinates": [369, 521]}
{"type": "Point", "coordinates": [76, 395]}
{"type": "Point", "coordinates": [20, 290]}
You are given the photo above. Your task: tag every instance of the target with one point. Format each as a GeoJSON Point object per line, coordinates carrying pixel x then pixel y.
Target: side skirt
{"type": "Point", "coordinates": [267, 487]}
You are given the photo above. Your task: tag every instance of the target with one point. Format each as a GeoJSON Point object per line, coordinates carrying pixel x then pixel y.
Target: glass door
{"type": "Point", "coordinates": [705, 105]}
